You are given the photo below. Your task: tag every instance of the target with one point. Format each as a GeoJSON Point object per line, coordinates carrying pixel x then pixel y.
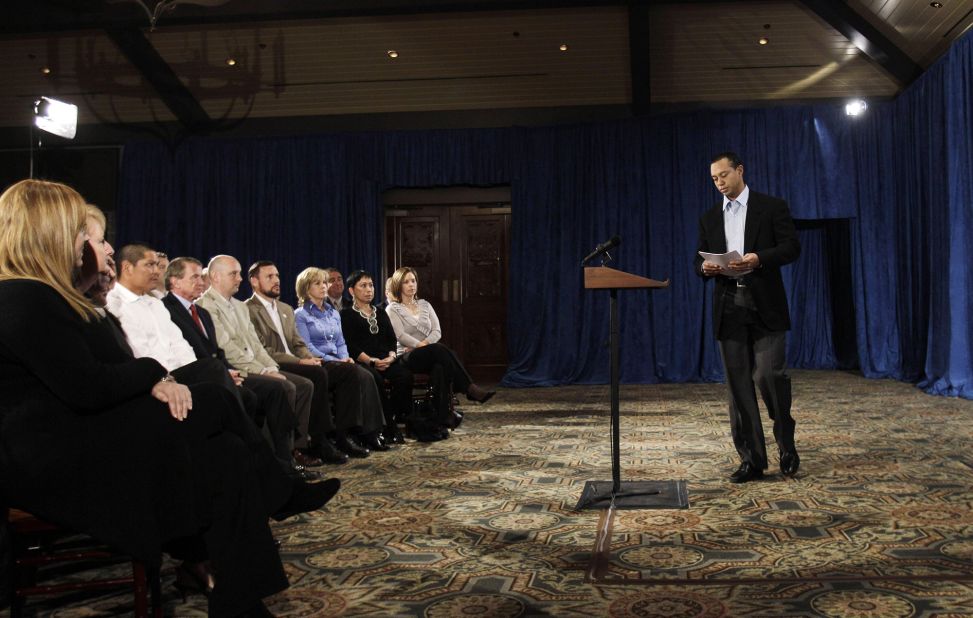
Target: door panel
{"type": "Point", "coordinates": [460, 253]}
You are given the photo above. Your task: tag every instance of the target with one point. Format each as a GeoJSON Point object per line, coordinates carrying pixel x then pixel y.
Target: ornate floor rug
{"type": "Point", "coordinates": [878, 523]}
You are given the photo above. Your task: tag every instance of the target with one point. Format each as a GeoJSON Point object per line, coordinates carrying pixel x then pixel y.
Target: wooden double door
{"type": "Point", "coordinates": [461, 254]}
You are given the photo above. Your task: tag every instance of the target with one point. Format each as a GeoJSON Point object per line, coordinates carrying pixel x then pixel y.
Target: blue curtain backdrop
{"type": "Point", "coordinates": [898, 178]}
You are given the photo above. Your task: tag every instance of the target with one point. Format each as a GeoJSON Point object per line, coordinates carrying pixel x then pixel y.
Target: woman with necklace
{"type": "Point", "coordinates": [371, 342]}
{"type": "Point", "coordinates": [417, 333]}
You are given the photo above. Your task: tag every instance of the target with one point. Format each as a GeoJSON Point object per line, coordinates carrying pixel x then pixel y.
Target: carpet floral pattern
{"type": "Point", "coordinates": [879, 521]}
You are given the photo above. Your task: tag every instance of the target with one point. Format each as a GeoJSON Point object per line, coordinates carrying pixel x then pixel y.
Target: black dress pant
{"type": "Point", "coordinates": [357, 401]}
{"type": "Point", "coordinates": [445, 371]}
{"type": "Point", "coordinates": [754, 355]}
{"type": "Point", "coordinates": [399, 403]}
{"type": "Point", "coordinates": [237, 485]}
{"type": "Point", "coordinates": [276, 413]}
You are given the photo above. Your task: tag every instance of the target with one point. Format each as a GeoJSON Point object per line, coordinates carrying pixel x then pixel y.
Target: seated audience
{"type": "Point", "coordinates": [351, 414]}
{"type": "Point", "coordinates": [417, 333]}
{"type": "Point", "coordinates": [371, 342]}
{"type": "Point", "coordinates": [266, 399]}
{"type": "Point", "coordinates": [131, 457]}
{"type": "Point", "coordinates": [237, 337]}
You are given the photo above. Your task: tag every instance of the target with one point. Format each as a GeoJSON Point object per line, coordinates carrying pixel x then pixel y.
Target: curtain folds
{"type": "Point", "coordinates": [897, 184]}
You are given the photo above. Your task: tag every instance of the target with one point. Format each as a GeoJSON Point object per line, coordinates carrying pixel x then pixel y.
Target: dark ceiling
{"type": "Point", "coordinates": [213, 65]}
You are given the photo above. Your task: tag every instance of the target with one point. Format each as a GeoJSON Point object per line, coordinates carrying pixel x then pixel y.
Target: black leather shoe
{"type": "Point", "coordinates": [351, 448]}
{"type": "Point", "coordinates": [328, 452]}
{"type": "Point", "coordinates": [789, 463]}
{"type": "Point", "coordinates": [454, 419]}
{"type": "Point", "coordinates": [305, 459]}
{"type": "Point", "coordinates": [375, 442]}
{"type": "Point", "coordinates": [301, 473]}
{"type": "Point", "coordinates": [393, 434]}
{"type": "Point", "coordinates": [746, 472]}
{"type": "Point", "coordinates": [308, 497]}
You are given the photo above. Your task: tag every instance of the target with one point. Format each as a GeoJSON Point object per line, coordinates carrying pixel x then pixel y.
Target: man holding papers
{"type": "Point", "coordinates": [743, 242]}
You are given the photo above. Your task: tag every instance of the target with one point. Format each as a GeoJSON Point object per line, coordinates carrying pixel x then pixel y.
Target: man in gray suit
{"type": "Point", "coordinates": [357, 407]}
{"type": "Point", "coordinates": [237, 338]}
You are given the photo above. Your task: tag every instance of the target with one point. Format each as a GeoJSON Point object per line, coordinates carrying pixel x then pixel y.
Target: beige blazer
{"type": "Point", "coordinates": [267, 331]}
{"type": "Point", "coordinates": [235, 333]}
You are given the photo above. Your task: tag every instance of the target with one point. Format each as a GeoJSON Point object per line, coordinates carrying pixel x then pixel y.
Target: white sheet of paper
{"type": "Point", "coordinates": [724, 259]}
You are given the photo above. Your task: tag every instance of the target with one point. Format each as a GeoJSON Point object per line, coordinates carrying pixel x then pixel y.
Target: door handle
{"type": "Point", "coordinates": [455, 290]}
{"type": "Point", "coordinates": [445, 290]}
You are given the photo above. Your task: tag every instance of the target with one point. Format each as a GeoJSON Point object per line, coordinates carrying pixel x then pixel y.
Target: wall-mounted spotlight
{"type": "Point", "coordinates": [56, 117]}
{"type": "Point", "coordinates": [392, 53]}
{"type": "Point", "coordinates": [856, 107]}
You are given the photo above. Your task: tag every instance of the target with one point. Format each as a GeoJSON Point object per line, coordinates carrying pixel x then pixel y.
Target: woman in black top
{"type": "Point", "coordinates": [105, 444]}
{"type": "Point", "coordinates": [371, 342]}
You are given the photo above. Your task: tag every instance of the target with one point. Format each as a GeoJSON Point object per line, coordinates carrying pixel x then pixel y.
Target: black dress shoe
{"type": "Point", "coordinates": [454, 419]}
{"type": "Point", "coordinates": [351, 448]}
{"type": "Point", "coordinates": [746, 472]}
{"type": "Point", "coordinates": [300, 473]}
{"type": "Point", "coordinates": [305, 459]}
{"type": "Point", "coordinates": [475, 393]}
{"type": "Point", "coordinates": [789, 463]}
{"type": "Point", "coordinates": [308, 497]}
{"type": "Point", "coordinates": [375, 442]}
{"type": "Point", "coordinates": [393, 434]}
{"type": "Point", "coordinates": [328, 452]}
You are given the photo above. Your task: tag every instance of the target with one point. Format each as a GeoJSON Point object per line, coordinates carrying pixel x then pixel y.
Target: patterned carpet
{"type": "Point", "coordinates": [879, 521]}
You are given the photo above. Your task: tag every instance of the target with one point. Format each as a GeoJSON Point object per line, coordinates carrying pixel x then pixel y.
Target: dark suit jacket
{"type": "Point", "coordinates": [769, 232]}
{"type": "Point", "coordinates": [204, 347]}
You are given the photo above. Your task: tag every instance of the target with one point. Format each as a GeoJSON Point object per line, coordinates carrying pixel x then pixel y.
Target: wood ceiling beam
{"type": "Point", "coordinates": [146, 59]}
{"type": "Point", "coordinates": [867, 38]}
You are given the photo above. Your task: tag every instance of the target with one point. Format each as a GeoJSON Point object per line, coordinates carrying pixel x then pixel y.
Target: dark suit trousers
{"type": "Point", "coordinates": [274, 404]}
{"type": "Point", "coordinates": [320, 420]}
{"type": "Point", "coordinates": [300, 393]}
{"type": "Point", "coordinates": [446, 373]}
{"type": "Point", "coordinates": [753, 355]}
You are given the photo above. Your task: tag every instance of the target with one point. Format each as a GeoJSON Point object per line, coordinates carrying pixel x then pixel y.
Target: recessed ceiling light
{"type": "Point", "coordinates": [46, 70]}
{"type": "Point", "coordinates": [936, 5]}
{"type": "Point", "coordinates": [763, 40]}
{"type": "Point", "coordinates": [563, 47]}
{"type": "Point", "coordinates": [392, 53]}
{"type": "Point", "coordinates": [230, 62]}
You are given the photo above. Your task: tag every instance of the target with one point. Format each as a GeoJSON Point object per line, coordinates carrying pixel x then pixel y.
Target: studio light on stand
{"type": "Point", "coordinates": [52, 116]}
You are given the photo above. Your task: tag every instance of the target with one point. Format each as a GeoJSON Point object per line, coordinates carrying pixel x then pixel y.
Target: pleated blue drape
{"type": "Point", "coordinates": [897, 181]}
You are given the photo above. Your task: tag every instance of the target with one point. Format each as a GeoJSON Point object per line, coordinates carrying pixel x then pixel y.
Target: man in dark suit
{"type": "Point", "coordinates": [750, 315]}
{"type": "Point", "coordinates": [184, 283]}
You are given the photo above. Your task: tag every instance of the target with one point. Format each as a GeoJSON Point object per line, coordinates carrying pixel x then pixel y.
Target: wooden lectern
{"type": "Point", "coordinates": [631, 494]}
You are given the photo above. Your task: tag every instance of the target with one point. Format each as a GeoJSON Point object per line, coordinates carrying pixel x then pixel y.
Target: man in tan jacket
{"type": "Point", "coordinates": [243, 350]}
{"type": "Point", "coordinates": [357, 408]}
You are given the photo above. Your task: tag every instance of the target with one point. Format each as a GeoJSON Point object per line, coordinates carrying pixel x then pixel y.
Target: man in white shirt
{"type": "Point", "coordinates": [148, 327]}
{"type": "Point", "coordinates": [237, 338]}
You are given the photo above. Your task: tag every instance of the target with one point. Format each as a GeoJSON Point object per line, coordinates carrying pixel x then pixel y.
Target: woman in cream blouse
{"type": "Point", "coordinates": [418, 333]}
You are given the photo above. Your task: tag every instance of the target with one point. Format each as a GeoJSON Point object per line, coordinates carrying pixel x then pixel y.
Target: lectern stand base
{"type": "Point", "coordinates": [635, 495]}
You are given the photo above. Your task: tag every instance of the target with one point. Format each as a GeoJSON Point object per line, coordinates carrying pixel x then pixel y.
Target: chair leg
{"type": "Point", "coordinates": [140, 590]}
